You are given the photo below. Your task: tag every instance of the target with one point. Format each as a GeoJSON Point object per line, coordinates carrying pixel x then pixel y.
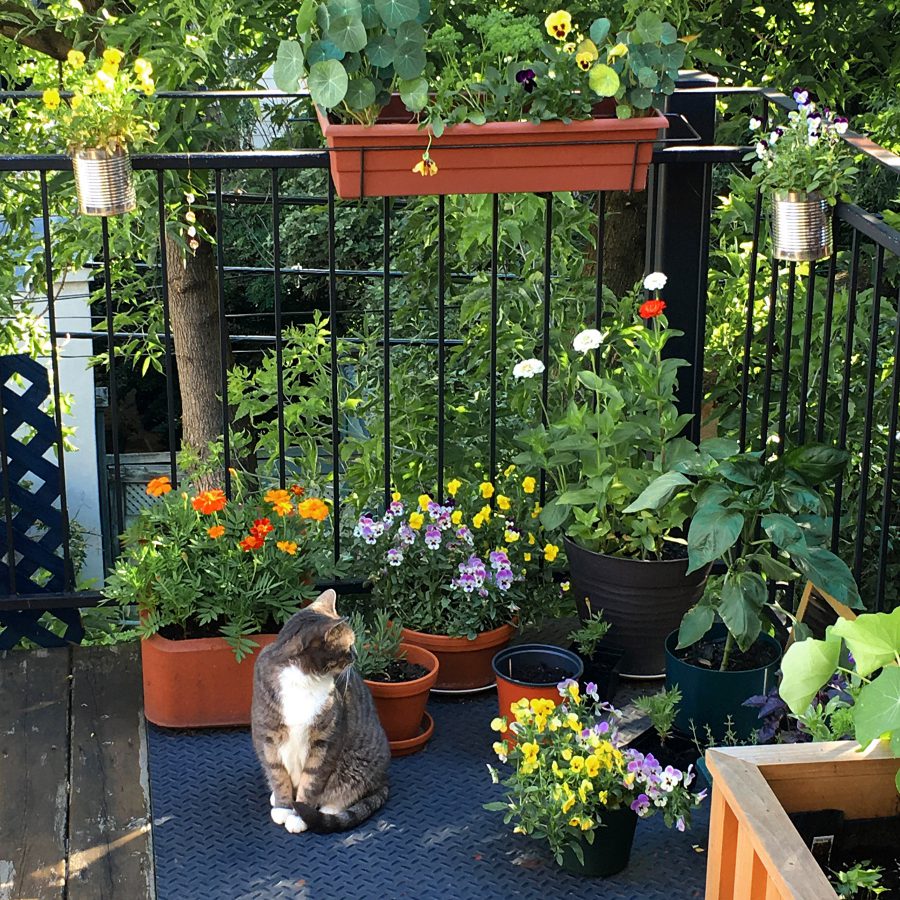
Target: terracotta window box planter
{"type": "Point", "coordinates": [197, 683]}
{"type": "Point", "coordinates": [754, 849]}
{"type": "Point", "coordinates": [603, 153]}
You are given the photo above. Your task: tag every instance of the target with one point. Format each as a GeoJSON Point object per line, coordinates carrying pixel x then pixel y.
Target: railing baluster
{"type": "Point", "coordinates": [335, 408]}
{"type": "Point", "coordinates": [786, 356]}
{"type": "Point", "coordinates": [826, 348]}
{"type": "Point", "coordinates": [279, 342]}
{"type": "Point", "coordinates": [545, 329]}
{"type": "Point", "coordinates": [167, 328]}
{"type": "Point", "coordinates": [386, 346]}
{"type": "Point", "coordinates": [599, 261]}
{"type": "Point", "coordinates": [748, 328]}
{"type": "Point", "coordinates": [495, 240]}
{"type": "Point", "coordinates": [807, 350]}
{"type": "Point", "coordinates": [770, 349]}
{"type": "Point", "coordinates": [223, 332]}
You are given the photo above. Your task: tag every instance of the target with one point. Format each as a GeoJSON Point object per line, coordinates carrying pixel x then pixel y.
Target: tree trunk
{"type": "Point", "coordinates": [626, 230]}
{"type": "Point", "coordinates": [194, 313]}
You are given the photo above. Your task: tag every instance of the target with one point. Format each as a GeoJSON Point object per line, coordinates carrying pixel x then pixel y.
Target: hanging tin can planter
{"type": "Point", "coordinates": [104, 182]}
{"type": "Point", "coordinates": [801, 226]}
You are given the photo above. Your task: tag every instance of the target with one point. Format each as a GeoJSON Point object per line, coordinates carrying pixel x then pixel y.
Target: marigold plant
{"type": "Point", "coordinates": [204, 564]}
{"type": "Point", "coordinates": [569, 767]}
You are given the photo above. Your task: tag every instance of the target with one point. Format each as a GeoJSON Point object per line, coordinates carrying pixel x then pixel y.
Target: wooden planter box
{"type": "Point", "coordinates": [604, 153]}
{"type": "Point", "coordinates": [754, 850]}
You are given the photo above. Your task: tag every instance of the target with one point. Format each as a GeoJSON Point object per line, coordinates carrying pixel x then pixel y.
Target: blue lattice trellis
{"type": "Point", "coordinates": [33, 521]}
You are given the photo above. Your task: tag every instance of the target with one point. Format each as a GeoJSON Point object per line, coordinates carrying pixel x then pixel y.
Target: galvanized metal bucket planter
{"type": "Point", "coordinates": [103, 182]}
{"type": "Point", "coordinates": [801, 227]}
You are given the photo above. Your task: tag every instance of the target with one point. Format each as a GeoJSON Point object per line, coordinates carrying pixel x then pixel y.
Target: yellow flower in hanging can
{"type": "Point", "coordinates": [503, 502]}
{"type": "Point", "coordinates": [486, 489]}
{"type": "Point", "coordinates": [559, 24]}
{"type": "Point", "coordinates": [396, 496]}
{"type": "Point", "coordinates": [425, 167]}
{"type": "Point", "coordinates": [453, 486]}
{"type": "Point", "coordinates": [424, 500]}
{"type": "Point", "coordinates": [143, 68]}
{"type": "Point", "coordinates": [75, 58]}
{"type": "Point", "coordinates": [111, 69]}
{"type": "Point", "coordinates": [51, 98]}
{"type": "Point", "coordinates": [551, 551]}
{"type": "Point", "coordinates": [148, 86]}
{"type": "Point", "coordinates": [416, 520]}
{"type": "Point", "coordinates": [113, 56]}
{"type": "Point", "coordinates": [528, 484]}
{"type": "Point", "coordinates": [104, 82]}
{"type": "Point", "coordinates": [456, 516]}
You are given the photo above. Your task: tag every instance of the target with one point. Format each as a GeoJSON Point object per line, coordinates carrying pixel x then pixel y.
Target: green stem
{"type": "Point", "coordinates": [729, 646]}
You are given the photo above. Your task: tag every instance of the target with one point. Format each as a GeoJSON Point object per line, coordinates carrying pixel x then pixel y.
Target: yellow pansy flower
{"type": "Point", "coordinates": [617, 51]}
{"type": "Point", "coordinates": [424, 500]}
{"type": "Point", "coordinates": [498, 724]}
{"type": "Point", "coordinates": [453, 486]}
{"type": "Point", "coordinates": [477, 520]}
{"type": "Point", "coordinates": [564, 586]}
{"type": "Point", "coordinates": [104, 82]}
{"type": "Point", "coordinates": [531, 540]}
{"type": "Point", "coordinates": [142, 67]}
{"type": "Point", "coordinates": [75, 58]}
{"type": "Point", "coordinates": [147, 86]}
{"type": "Point", "coordinates": [603, 797]}
{"type": "Point", "coordinates": [558, 24]}
{"type": "Point", "coordinates": [510, 536]}
{"type": "Point", "coordinates": [551, 551]}
{"type": "Point", "coordinates": [503, 502]}
{"type": "Point", "coordinates": [577, 763]}
{"type": "Point", "coordinates": [567, 754]}
{"type": "Point", "coordinates": [527, 557]}
{"type": "Point", "coordinates": [111, 69]}
{"type": "Point", "coordinates": [113, 56]}
{"type": "Point", "coordinates": [528, 484]}
{"type": "Point", "coordinates": [456, 516]}
{"type": "Point", "coordinates": [575, 822]}
{"type": "Point", "coordinates": [586, 824]}
{"type": "Point", "coordinates": [536, 511]}
{"type": "Point", "coordinates": [416, 520]}
{"type": "Point", "coordinates": [592, 766]}
{"type": "Point", "coordinates": [500, 748]}
{"type": "Point", "coordinates": [574, 693]}
{"type": "Point", "coordinates": [509, 470]}
{"type": "Point", "coordinates": [396, 496]}
{"type": "Point", "coordinates": [487, 490]}
{"type": "Point", "coordinates": [486, 512]}
{"type": "Point", "coordinates": [569, 47]}
{"type": "Point", "coordinates": [51, 98]}
{"type": "Point", "coordinates": [568, 804]}
{"type": "Point", "coordinates": [555, 722]}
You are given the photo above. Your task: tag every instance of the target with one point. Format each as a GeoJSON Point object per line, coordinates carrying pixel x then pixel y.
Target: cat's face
{"type": "Point", "coordinates": [318, 639]}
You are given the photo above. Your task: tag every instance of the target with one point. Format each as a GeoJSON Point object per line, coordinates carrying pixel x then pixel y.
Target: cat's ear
{"type": "Point", "coordinates": [325, 603]}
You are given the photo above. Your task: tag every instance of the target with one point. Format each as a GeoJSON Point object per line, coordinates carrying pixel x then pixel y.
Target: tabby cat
{"type": "Point", "coordinates": [315, 728]}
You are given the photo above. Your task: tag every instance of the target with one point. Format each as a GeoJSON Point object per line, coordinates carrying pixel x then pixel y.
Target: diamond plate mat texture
{"type": "Point", "coordinates": [432, 840]}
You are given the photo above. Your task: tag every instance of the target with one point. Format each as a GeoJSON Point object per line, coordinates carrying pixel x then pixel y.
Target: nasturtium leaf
{"type": "Point", "coordinates": [380, 50]}
{"type": "Point", "coordinates": [668, 34]}
{"type": "Point", "coordinates": [321, 50]}
{"type": "Point", "coordinates": [395, 12]}
{"type": "Point", "coordinates": [327, 83]}
{"type": "Point", "coordinates": [713, 530]}
{"type": "Point", "coordinates": [414, 94]}
{"type": "Point", "coordinates": [289, 66]}
{"type": "Point", "coordinates": [352, 63]}
{"type": "Point", "coordinates": [306, 16]}
{"type": "Point", "coordinates": [410, 31]}
{"type": "Point", "coordinates": [658, 492]}
{"type": "Point", "coordinates": [599, 30]}
{"type": "Point", "coordinates": [624, 111]}
{"type": "Point", "coordinates": [603, 80]}
{"type": "Point", "coordinates": [874, 639]}
{"type": "Point", "coordinates": [360, 93]}
{"type": "Point", "coordinates": [695, 624]}
{"type": "Point", "coordinates": [323, 19]}
{"type": "Point", "coordinates": [646, 77]}
{"type": "Point", "coordinates": [409, 60]}
{"type": "Point", "coordinates": [674, 55]}
{"type": "Point", "coordinates": [424, 11]}
{"type": "Point", "coordinates": [806, 668]}
{"type": "Point", "coordinates": [370, 17]}
{"type": "Point", "coordinates": [347, 33]}
{"type": "Point", "coordinates": [649, 27]}
{"type": "Point", "coordinates": [876, 712]}
{"type": "Point", "coordinates": [339, 8]}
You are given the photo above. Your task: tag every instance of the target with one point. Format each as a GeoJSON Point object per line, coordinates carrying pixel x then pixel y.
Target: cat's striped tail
{"type": "Point", "coordinates": [323, 822]}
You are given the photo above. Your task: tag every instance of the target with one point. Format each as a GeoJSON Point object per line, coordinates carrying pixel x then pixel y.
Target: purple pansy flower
{"type": "Point", "coordinates": [526, 78]}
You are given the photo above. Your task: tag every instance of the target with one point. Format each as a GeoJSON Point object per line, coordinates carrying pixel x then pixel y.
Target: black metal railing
{"type": "Point", "coordinates": [776, 400]}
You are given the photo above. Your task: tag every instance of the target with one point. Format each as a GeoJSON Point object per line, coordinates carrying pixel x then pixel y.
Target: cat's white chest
{"type": "Point", "coordinates": [302, 699]}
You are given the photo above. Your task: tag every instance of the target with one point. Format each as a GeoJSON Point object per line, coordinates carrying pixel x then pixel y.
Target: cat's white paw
{"type": "Point", "coordinates": [272, 799]}
{"type": "Point", "coordinates": [330, 810]}
{"type": "Point", "coordinates": [280, 814]}
{"type": "Point", "coordinates": [294, 824]}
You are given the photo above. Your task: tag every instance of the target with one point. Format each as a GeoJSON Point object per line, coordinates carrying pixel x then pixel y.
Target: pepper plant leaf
{"type": "Point", "coordinates": [714, 530]}
{"type": "Point", "coordinates": [659, 492]}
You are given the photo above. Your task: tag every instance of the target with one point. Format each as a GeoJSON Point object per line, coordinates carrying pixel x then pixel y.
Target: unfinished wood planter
{"type": "Point", "coordinates": [604, 153]}
{"type": "Point", "coordinates": [197, 683]}
{"type": "Point", "coordinates": [754, 850]}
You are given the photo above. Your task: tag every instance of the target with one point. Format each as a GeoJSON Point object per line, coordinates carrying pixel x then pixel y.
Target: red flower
{"type": "Point", "coordinates": [261, 527]}
{"type": "Point", "coordinates": [650, 309]}
{"type": "Point", "coordinates": [251, 542]}
{"type": "Point", "coordinates": [296, 490]}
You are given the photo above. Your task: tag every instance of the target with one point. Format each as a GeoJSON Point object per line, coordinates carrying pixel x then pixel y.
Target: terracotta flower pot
{"type": "Point", "coordinates": [401, 704]}
{"type": "Point", "coordinates": [464, 665]}
{"type": "Point", "coordinates": [197, 683]}
{"type": "Point", "coordinates": [604, 153]}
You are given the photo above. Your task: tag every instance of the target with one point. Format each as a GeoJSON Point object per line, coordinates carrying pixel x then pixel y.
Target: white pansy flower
{"type": "Point", "coordinates": [528, 368]}
{"type": "Point", "coordinates": [589, 339]}
{"type": "Point", "coordinates": [655, 281]}
{"type": "Point", "coordinates": [755, 124]}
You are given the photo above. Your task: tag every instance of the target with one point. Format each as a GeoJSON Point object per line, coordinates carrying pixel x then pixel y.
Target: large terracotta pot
{"type": "Point", "coordinates": [401, 705]}
{"type": "Point", "coordinates": [604, 153]}
{"type": "Point", "coordinates": [197, 683]}
{"type": "Point", "coordinates": [464, 665]}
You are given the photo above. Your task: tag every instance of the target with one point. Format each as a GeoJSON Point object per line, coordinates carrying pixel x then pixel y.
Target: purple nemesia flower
{"type": "Point", "coordinates": [603, 728]}
{"type": "Point", "coordinates": [526, 78]}
{"type": "Point", "coordinates": [702, 795]}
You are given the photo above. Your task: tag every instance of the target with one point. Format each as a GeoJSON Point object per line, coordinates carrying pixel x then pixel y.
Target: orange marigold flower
{"type": "Point", "coordinates": [261, 527]}
{"type": "Point", "coordinates": [159, 486]}
{"type": "Point", "coordinates": [209, 502]}
{"type": "Point", "coordinates": [650, 309]}
{"type": "Point", "coordinates": [313, 508]}
{"type": "Point", "coordinates": [283, 508]}
{"type": "Point", "coordinates": [288, 547]}
{"type": "Point", "coordinates": [216, 531]}
{"type": "Point", "coordinates": [251, 542]}
{"type": "Point", "coordinates": [277, 496]}
{"type": "Point", "coordinates": [297, 491]}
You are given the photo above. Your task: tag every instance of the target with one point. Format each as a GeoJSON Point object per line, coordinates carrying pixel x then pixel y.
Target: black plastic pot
{"type": "Point", "coordinates": [643, 600]}
{"type": "Point", "coordinates": [603, 668]}
{"type": "Point", "coordinates": [710, 697]}
{"type": "Point", "coordinates": [611, 849]}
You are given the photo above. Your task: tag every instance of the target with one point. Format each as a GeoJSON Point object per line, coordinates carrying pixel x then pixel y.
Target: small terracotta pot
{"type": "Point", "coordinates": [401, 705]}
{"type": "Point", "coordinates": [464, 665]}
{"type": "Point", "coordinates": [197, 683]}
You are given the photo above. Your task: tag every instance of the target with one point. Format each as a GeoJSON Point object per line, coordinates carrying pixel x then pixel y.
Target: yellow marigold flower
{"type": "Point", "coordinates": [617, 51]}
{"type": "Point", "coordinates": [416, 520]}
{"type": "Point", "coordinates": [156, 487]}
{"type": "Point", "coordinates": [113, 56]}
{"type": "Point", "coordinates": [528, 484]}
{"type": "Point", "coordinates": [509, 470]}
{"type": "Point", "coordinates": [503, 502]}
{"type": "Point", "coordinates": [453, 486]}
{"type": "Point", "coordinates": [51, 98]}
{"type": "Point", "coordinates": [288, 547]}
{"type": "Point", "coordinates": [456, 516]}
{"type": "Point", "coordinates": [568, 804]}
{"type": "Point", "coordinates": [527, 557]}
{"type": "Point", "coordinates": [551, 551]}
{"type": "Point", "coordinates": [283, 508]}
{"type": "Point", "coordinates": [313, 508]}
{"type": "Point", "coordinates": [498, 724]}
{"type": "Point", "coordinates": [510, 536]}
{"type": "Point", "coordinates": [75, 58]}
{"type": "Point", "coordinates": [487, 490]}
{"type": "Point", "coordinates": [142, 67]}
{"type": "Point", "coordinates": [577, 763]}
{"type": "Point", "coordinates": [424, 500]}
{"type": "Point", "coordinates": [396, 496]}
{"type": "Point", "coordinates": [425, 167]}
{"type": "Point", "coordinates": [276, 496]}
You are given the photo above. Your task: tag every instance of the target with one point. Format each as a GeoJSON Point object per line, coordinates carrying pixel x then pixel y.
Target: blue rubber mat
{"type": "Point", "coordinates": [213, 837]}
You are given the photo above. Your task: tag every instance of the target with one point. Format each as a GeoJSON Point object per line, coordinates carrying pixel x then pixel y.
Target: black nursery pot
{"type": "Point", "coordinates": [603, 668]}
{"type": "Point", "coordinates": [709, 697]}
{"type": "Point", "coordinates": [532, 670]}
{"type": "Point", "coordinates": [643, 600]}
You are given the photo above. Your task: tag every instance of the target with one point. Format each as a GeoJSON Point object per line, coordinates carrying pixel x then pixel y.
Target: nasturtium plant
{"type": "Point", "coordinates": [867, 651]}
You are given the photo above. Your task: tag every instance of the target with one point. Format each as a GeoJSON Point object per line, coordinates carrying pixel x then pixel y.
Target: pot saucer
{"type": "Point", "coordinates": [412, 745]}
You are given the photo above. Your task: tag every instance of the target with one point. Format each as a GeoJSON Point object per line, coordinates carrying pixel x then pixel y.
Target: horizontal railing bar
{"type": "Point", "coordinates": [71, 600]}
{"type": "Point", "coordinates": [871, 226]}
{"type": "Point", "coordinates": [266, 338]}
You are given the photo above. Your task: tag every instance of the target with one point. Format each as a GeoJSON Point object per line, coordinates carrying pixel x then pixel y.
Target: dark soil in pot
{"type": "Point", "coordinates": [709, 652]}
{"type": "Point", "coordinates": [399, 671]}
{"type": "Point", "coordinates": [194, 630]}
{"type": "Point", "coordinates": [603, 669]}
{"type": "Point", "coordinates": [538, 673]}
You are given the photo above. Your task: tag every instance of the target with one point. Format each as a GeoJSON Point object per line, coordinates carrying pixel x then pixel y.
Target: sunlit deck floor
{"type": "Point", "coordinates": [212, 836]}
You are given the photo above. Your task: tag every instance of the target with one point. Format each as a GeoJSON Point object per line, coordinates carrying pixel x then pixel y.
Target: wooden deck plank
{"type": "Point", "coordinates": [34, 760]}
{"type": "Point", "coordinates": [110, 848]}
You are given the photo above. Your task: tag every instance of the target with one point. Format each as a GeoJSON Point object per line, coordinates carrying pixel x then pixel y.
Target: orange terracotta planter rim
{"type": "Point", "coordinates": [445, 644]}
{"type": "Point", "coordinates": [418, 656]}
{"type": "Point", "coordinates": [199, 645]}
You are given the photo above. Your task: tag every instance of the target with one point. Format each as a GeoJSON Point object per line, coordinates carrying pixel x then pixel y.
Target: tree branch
{"type": "Point", "coordinates": [20, 24]}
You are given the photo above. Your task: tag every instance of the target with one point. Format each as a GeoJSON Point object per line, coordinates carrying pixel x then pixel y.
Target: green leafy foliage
{"type": "Point", "coordinates": [661, 708]}
{"type": "Point", "coordinates": [588, 637]}
{"type": "Point", "coordinates": [377, 645]}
